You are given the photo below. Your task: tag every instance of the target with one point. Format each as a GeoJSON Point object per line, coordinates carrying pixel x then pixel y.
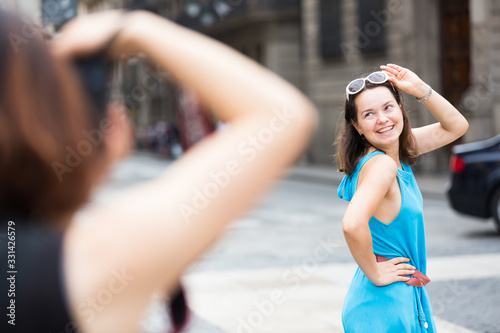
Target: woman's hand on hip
{"type": "Point", "coordinates": [393, 271]}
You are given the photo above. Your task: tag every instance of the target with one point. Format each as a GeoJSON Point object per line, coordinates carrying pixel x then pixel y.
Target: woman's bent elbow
{"type": "Point", "coordinates": [465, 127]}
{"type": "Point", "coordinates": [350, 228]}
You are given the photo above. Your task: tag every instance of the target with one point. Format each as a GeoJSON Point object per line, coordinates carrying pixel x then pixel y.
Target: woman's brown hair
{"type": "Point", "coordinates": [351, 146]}
{"type": "Point", "coordinates": [44, 172]}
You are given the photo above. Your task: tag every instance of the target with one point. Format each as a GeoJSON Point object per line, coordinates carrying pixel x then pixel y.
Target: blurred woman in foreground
{"type": "Point", "coordinates": [99, 274]}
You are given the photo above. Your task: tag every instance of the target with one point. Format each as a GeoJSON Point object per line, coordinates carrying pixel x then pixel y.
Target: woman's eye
{"type": "Point", "coordinates": [388, 107]}
{"type": "Point", "coordinates": [368, 114]}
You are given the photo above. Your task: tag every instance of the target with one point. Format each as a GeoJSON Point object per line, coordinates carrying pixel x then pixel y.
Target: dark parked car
{"type": "Point", "coordinates": [475, 182]}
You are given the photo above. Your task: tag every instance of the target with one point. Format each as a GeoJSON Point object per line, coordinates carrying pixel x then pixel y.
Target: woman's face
{"type": "Point", "coordinates": [380, 119]}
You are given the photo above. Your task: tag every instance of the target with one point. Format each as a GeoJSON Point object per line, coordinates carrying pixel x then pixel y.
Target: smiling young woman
{"type": "Point", "coordinates": [351, 141]}
{"type": "Point", "coordinates": [383, 224]}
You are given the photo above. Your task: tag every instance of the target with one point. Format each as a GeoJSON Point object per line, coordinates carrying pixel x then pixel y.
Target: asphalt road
{"type": "Point", "coordinates": [287, 224]}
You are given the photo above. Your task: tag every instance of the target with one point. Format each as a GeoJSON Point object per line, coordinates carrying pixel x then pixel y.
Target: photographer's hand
{"type": "Point", "coordinates": [88, 35]}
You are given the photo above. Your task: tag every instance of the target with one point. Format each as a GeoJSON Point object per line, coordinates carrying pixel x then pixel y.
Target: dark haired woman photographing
{"type": "Point", "coordinates": [383, 224]}
{"type": "Point", "coordinates": [99, 275]}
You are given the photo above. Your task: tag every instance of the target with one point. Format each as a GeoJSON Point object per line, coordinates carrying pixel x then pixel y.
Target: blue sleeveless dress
{"type": "Point", "coordinates": [397, 307]}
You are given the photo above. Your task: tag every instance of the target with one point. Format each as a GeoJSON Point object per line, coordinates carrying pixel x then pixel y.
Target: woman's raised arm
{"type": "Point", "coordinates": [451, 123]}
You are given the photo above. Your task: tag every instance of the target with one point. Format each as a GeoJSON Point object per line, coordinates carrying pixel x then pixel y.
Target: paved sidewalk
{"type": "Point", "coordinates": [284, 299]}
{"type": "Point", "coordinates": [309, 299]}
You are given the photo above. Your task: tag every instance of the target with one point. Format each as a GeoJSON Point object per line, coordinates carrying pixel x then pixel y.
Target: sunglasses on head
{"type": "Point", "coordinates": [355, 86]}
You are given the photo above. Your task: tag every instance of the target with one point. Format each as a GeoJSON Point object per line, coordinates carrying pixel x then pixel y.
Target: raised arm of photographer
{"type": "Point", "coordinates": [157, 229]}
{"type": "Point", "coordinates": [451, 123]}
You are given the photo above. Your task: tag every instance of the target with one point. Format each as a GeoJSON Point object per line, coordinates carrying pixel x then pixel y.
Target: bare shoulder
{"type": "Point", "coordinates": [380, 169]}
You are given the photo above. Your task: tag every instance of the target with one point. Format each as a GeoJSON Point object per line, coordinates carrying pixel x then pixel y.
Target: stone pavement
{"type": "Point", "coordinates": [307, 299]}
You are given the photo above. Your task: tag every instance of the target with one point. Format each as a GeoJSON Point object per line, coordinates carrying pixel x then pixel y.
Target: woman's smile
{"type": "Point", "coordinates": [380, 118]}
{"type": "Point", "coordinates": [387, 130]}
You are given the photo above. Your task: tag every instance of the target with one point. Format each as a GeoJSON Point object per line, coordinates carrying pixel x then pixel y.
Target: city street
{"type": "Point", "coordinates": [285, 267]}
{"type": "Point", "coordinates": [282, 74]}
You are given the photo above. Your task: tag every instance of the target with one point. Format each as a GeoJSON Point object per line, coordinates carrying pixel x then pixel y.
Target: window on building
{"type": "Point", "coordinates": [330, 28]}
{"type": "Point", "coordinates": [371, 28]}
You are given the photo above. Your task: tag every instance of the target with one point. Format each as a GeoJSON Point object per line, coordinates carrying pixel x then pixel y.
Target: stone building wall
{"type": "Point", "coordinates": [491, 19]}
{"type": "Point", "coordinates": [413, 41]}
{"type": "Point", "coordinates": [291, 48]}
{"type": "Point", "coordinates": [479, 98]}
{"type": "Point", "coordinates": [276, 46]}
{"type": "Point", "coordinates": [325, 80]}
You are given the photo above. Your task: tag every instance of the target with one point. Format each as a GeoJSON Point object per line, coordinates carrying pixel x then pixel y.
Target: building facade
{"type": "Point", "coordinates": [25, 7]}
{"type": "Point", "coordinates": [453, 45]}
{"type": "Point", "coordinates": [321, 45]}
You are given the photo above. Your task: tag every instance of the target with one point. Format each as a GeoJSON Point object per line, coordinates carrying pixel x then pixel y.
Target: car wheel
{"type": "Point", "coordinates": [495, 208]}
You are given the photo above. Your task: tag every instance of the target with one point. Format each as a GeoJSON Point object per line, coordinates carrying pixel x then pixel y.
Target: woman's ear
{"type": "Point", "coordinates": [118, 140]}
{"type": "Point", "coordinates": [355, 125]}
